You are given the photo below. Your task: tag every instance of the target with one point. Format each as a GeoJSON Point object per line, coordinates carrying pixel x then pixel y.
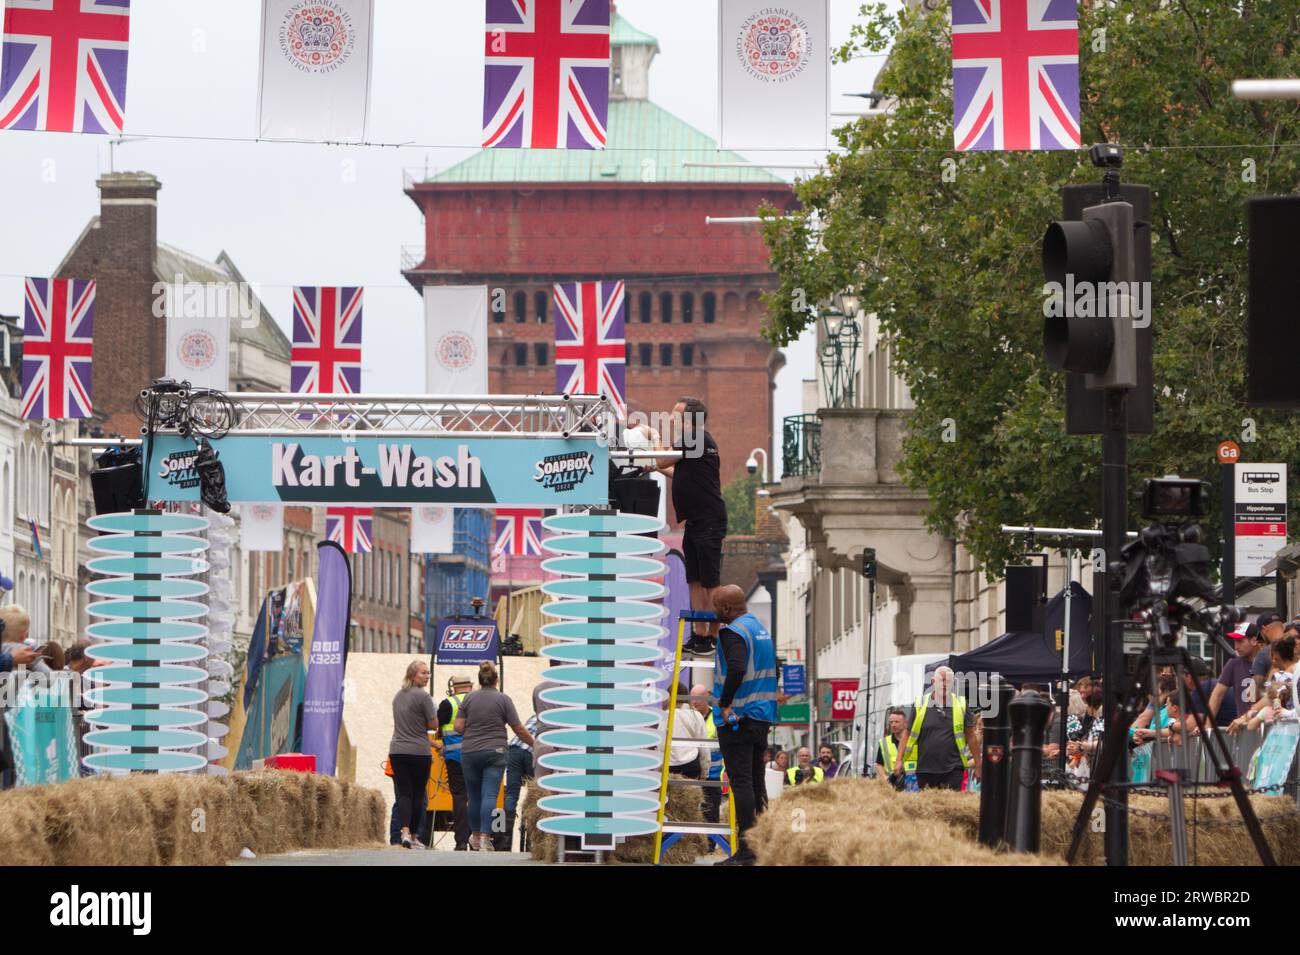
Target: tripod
{"type": "Point", "coordinates": [1162, 652]}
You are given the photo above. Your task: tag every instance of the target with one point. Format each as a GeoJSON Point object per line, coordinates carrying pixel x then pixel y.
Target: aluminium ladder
{"type": "Point", "coordinates": [669, 831]}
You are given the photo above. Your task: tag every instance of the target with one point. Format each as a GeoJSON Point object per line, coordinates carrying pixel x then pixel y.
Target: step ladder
{"type": "Point", "coordinates": [669, 831]}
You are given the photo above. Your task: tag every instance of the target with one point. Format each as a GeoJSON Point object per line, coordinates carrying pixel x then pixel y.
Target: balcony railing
{"type": "Point", "coordinates": [801, 446]}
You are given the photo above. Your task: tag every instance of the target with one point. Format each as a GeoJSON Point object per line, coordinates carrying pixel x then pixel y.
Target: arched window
{"type": "Point", "coordinates": [688, 356]}
{"type": "Point", "coordinates": [543, 354]}
{"type": "Point", "coordinates": [644, 305]}
{"type": "Point", "coordinates": [6, 496]}
{"type": "Point", "coordinates": [666, 307]}
{"type": "Point", "coordinates": [521, 307]}
{"type": "Point", "coordinates": [710, 308]}
{"type": "Point", "coordinates": [645, 352]}
{"type": "Point", "coordinates": [688, 308]}
{"type": "Point", "coordinates": [541, 301]}
{"type": "Point", "coordinates": [521, 354]}
{"type": "Point", "coordinates": [666, 355]}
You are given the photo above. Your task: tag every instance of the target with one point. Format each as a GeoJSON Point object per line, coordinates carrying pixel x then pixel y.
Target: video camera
{"type": "Point", "coordinates": [1165, 574]}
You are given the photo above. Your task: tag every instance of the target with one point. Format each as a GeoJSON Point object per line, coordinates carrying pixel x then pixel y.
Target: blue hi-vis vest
{"type": "Point", "coordinates": [450, 738]}
{"type": "Point", "coordinates": [756, 697]}
{"type": "Point", "coordinates": [715, 754]}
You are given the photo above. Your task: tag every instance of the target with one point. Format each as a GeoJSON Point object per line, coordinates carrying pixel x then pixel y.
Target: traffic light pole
{"type": "Point", "coordinates": [1114, 519]}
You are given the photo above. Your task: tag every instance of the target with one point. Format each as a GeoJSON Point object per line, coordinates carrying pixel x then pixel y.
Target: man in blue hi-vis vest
{"type": "Point", "coordinates": [744, 691]}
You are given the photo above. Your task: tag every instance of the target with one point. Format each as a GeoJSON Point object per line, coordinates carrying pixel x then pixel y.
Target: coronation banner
{"type": "Point", "coordinates": [364, 470]}
{"type": "Point", "coordinates": [774, 74]}
{"type": "Point", "coordinates": [315, 80]}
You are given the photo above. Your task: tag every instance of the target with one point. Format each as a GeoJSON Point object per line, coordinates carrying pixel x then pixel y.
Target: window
{"type": "Point", "coordinates": [645, 301]}
{"type": "Point", "coordinates": [688, 308]}
{"type": "Point", "coordinates": [710, 308]}
{"type": "Point", "coordinates": [688, 356]}
{"type": "Point", "coordinates": [541, 301]}
{"type": "Point", "coordinates": [498, 313]}
{"type": "Point", "coordinates": [666, 355]}
{"type": "Point", "coordinates": [645, 351]}
{"type": "Point", "coordinates": [521, 355]}
{"type": "Point", "coordinates": [521, 307]}
{"type": "Point", "coordinates": [542, 352]}
{"type": "Point", "coordinates": [666, 307]}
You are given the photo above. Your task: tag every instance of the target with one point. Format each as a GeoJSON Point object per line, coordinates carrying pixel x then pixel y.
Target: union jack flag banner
{"type": "Point", "coordinates": [546, 84]}
{"type": "Point", "coordinates": [58, 319]}
{"type": "Point", "coordinates": [326, 341]}
{"type": "Point", "coordinates": [519, 532]}
{"type": "Point", "coordinates": [64, 65]}
{"type": "Point", "coordinates": [1015, 74]}
{"type": "Point", "coordinates": [591, 341]}
{"type": "Point", "coordinates": [352, 528]}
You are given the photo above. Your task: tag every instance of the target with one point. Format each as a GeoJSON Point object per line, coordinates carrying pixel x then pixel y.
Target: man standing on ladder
{"type": "Point", "coordinates": [744, 686]}
{"type": "Point", "coordinates": [940, 737]}
{"type": "Point", "coordinates": [457, 688]}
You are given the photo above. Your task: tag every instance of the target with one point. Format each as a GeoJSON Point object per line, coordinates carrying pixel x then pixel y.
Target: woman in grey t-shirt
{"type": "Point", "coordinates": [409, 752]}
{"type": "Point", "coordinates": [482, 721]}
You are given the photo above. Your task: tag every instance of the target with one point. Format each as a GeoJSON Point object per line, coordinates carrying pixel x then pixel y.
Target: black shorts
{"type": "Point", "coordinates": [702, 552]}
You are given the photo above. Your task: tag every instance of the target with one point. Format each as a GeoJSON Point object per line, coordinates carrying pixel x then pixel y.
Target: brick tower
{"type": "Point", "coordinates": [520, 220]}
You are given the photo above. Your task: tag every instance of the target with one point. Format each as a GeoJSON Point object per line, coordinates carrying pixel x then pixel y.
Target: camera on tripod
{"type": "Point", "coordinates": [1165, 574]}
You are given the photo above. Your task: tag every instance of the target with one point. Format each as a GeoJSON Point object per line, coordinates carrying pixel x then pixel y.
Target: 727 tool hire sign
{"type": "Point", "coordinates": [544, 472]}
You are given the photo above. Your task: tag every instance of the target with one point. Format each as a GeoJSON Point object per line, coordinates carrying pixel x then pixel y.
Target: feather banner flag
{"type": "Point", "coordinates": [1015, 74]}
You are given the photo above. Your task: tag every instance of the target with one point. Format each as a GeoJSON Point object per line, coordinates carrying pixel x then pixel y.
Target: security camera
{"type": "Point", "coordinates": [752, 465]}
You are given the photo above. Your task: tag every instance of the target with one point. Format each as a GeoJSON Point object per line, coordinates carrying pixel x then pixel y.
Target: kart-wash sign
{"type": "Point", "coordinates": [339, 469]}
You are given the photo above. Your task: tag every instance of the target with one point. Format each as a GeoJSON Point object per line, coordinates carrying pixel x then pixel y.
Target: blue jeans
{"type": "Point", "coordinates": [519, 766]}
{"type": "Point", "coordinates": [483, 772]}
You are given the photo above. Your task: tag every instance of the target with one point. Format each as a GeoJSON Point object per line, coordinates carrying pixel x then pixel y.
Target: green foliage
{"type": "Point", "coordinates": [740, 495]}
{"type": "Point", "coordinates": [951, 265]}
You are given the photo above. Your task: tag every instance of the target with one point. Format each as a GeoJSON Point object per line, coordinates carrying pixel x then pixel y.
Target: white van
{"type": "Point", "coordinates": [897, 681]}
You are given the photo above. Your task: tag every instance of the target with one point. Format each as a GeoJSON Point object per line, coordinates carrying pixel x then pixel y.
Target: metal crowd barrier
{"type": "Point", "coordinates": [1145, 760]}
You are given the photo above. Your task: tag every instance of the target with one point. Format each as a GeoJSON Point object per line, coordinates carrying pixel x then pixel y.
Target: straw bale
{"type": "Point", "coordinates": [183, 819]}
{"type": "Point", "coordinates": [866, 822]}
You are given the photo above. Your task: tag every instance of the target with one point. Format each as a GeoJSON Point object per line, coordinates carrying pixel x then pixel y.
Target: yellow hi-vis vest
{"type": "Point", "coordinates": [818, 775]}
{"type": "Point", "coordinates": [450, 738]}
{"type": "Point", "coordinates": [889, 752]}
{"type": "Point", "coordinates": [958, 730]}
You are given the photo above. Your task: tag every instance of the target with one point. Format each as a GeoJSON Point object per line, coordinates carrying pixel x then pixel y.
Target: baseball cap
{"type": "Point", "coordinates": [1267, 617]}
{"type": "Point", "coordinates": [1246, 630]}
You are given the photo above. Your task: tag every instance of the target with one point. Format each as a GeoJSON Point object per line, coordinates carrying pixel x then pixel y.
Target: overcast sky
{"type": "Point", "coordinates": [314, 214]}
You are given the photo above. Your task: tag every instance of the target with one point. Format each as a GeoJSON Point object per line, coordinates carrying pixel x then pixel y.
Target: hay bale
{"type": "Point", "coordinates": [22, 829]}
{"type": "Point", "coordinates": [865, 822]}
{"type": "Point", "coordinates": [683, 806]}
{"type": "Point", "coordinates": [183, 819]}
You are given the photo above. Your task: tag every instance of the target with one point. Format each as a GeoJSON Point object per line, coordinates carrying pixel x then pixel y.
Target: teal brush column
{"type": "Point", "coordinates": [149, 702]}
{"type": "Point", "coordinates": [605, 726]}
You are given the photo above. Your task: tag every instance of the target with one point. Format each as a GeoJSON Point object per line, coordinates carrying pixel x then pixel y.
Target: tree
{"type": "Point", "coordinates": [740, 495]}
{"type": "Point", "coordinates": [944, 248]}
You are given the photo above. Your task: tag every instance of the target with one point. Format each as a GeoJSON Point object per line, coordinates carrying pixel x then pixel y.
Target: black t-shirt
{"type": "Point", "coordinates": [936, 746]}
{"type": "Point", "coordinates": [697, 486]}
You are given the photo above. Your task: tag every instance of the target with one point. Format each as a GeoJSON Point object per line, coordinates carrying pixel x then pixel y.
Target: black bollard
{"type": "Point", "coordinates": [996, 780]}
{"type": "Point", "coordinates": [1029, 716]}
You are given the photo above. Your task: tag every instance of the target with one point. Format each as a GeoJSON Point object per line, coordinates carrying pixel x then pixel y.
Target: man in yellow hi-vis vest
{"type": "Point", "coordinates": [887, 751]}
{"type": "Point", "coordinates": [939, 742]}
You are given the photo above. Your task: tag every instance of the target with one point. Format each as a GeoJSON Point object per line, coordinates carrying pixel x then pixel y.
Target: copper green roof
{"type": "Point", "coordinates": [646, 144]}
{"type": "Point", "coordinates": [623, 33]}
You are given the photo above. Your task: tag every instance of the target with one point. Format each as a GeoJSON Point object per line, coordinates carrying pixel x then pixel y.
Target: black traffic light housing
{"type": "Point", "coordinates": [1095, 256]}
{"type": "Point", "coordinates": [868, 565]}
{"type": "Point", "coordinates": [1084, 405]}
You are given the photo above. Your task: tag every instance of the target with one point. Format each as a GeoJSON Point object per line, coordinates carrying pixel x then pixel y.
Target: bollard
{"type": "Point", "coordinates": [996, 779]}
{"type": "Point", "coordinates": [1029, 716]}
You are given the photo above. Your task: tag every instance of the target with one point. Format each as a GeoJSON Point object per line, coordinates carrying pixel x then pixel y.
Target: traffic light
{"type": "Point", "coordinates": [868, 568]}
{"type": "Point", "coordinates": [1090, 325]}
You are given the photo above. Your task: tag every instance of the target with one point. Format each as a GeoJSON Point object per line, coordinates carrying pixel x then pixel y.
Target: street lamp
{"type": "Point", "coordinates": [752, 467]}
{"type": "Point", "coordinates": [838, 355]}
